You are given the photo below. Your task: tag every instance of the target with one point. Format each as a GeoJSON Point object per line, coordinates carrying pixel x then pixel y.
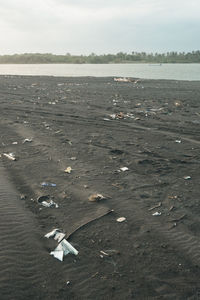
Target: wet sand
{"type": "Point", "coordinates": [97, 126]}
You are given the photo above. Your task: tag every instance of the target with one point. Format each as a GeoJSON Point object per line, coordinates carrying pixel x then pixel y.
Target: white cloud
{"type": "Point", "coordinates": [77, 26]}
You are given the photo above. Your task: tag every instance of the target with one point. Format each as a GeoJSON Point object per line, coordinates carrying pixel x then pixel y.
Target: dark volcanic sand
{"type": "Point", "coordinates": [150, 257]}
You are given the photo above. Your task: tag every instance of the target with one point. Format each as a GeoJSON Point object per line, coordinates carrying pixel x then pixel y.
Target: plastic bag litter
{"type": "Point", "coordinates": [51, 203]}
{"type": "Point", "coordinates": [156, 213]}
{"type": "Point", "coordinates": [63, 248]}
{"type": "Point", "coordinates": [56, 234]}
{"type": "Point", "coordinates": [123, 169]}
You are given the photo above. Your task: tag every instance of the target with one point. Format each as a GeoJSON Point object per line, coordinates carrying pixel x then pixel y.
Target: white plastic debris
{"type": "Point", "coordinates": [10, 156]}
{"type": "Point", "coordinates": [51, 203]}
{"type": "Point", "coordinates": [56, 234]}
{"type": "Point", "coordinates": [68, 170]}
{"type": "Point", "coordinates": [46, 201]}
{"type": "Point", "coordinates": [187, 177]}
{"type": "Point", "coordinates": [113, 116]}
{"type": "Point", "coordinates": [156, 213]}
{"type": "Point", "coordinates": [15, 143]}
{"type": "Point", "coordinates": [122, 79]}
{"type": "Point", "coordinates": [73, 158]}
{"type": "Point", "coordinates": [123, 169]}
{"type": "Point", "coordinates": [121, 219]}
{"type": "Point", "coordinates": [63, 248]}
{"type": "Point", "coordinates": [27, 141]}
{"type": "Point", "coordinates": [178, 141]}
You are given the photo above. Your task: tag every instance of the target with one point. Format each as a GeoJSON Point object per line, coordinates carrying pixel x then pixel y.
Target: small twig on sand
{"type": "Point", "coordinates": [156, 206]}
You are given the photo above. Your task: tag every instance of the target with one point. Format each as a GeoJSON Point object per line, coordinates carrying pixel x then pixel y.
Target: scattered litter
{"type": "Point", "coordinates": [86, 186]}
{"type": "Point", "coordinates": [156, 206]}
{"type": "Point", "coordinates": [73, 158]}
{"type": "Point", "coordinates": [51, 203]}
{"type": "Point", "coordinates": [27, 141]}
{"type": "Point", "coordinates": [23, 197]}
{"type": "Point", "coordinates": [173, 197]}
{"type": "Point", "coordinates": [46, 201]}
{"type": "Point", "coordinates": [122, 79]}
{"type": "Point", "coordinates": [48, 184]}
{"type": "Point", "coordinates": [178, 141]}
{"type": "Point", "coordinates": [177, 103]}
{"type": "Point", "coordinates": [96, 197]}
{"type": "Point", "coordinates": [123, 169]}
{"type": "Point", "coordinates": [121, 219]}
{"type": "Point", "coordinates": [113, 116]}
{"type": "Point", "coordinates": [63, 248]}
{"type": "Point", "coordinates": [156, 213]}
{"type": "Point", "coordinates": [120, 115]}
{"type": "Point", "coordinates": [104, 253]}
{"type": "Point", "coordinates": [15, 143]}
{"type": "Point", "coordinates": [187, 177]}
{"type": "Point", "coordinates": [10, 156]}
{"type": "Point", "coordinates": [105, 119]}
{"type": "Point", "coordinates": [68, 170]}
{"type": "Point", "coordinates": [125, 79]}
{"type": "Point", "coordinates": [56, 234]}
{"type": "Point", "coordinates": [68, 282]}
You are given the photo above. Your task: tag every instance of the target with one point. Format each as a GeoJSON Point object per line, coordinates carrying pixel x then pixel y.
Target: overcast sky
{"type": "Point", "coordinates": [99, 26]}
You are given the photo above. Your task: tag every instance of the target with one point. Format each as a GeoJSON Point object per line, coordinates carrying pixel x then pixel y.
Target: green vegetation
{"type": "Point", "coordinates": [121, 57]}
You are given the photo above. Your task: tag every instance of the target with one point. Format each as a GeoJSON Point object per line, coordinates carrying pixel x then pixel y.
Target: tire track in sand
{"type": "Point", "coordinates": [21, 253]}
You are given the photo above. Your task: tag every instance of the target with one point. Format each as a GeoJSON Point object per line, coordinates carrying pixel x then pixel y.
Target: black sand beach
{"type": "Point", "coordinates": [97, 126]}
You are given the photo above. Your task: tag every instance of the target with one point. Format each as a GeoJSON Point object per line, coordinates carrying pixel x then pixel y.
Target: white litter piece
{"type": "Point", "coordinates": [122, 79]}
{"type": "Point", "coordinates": [121, 219]}
{"type": "Point", "coordinates": [178, 141]}
{"type": "Point", "coordinates": [123, 169]}
{"type": "Point", "coordinates": [73, 158]}
{"type": "Point", "coordinates": [63, 248]}
{"type": "Point", "coordinates": [27, 141]}
{"type": "Point", "coordinates": [51, 203]}
{"type": "Point", "coordinates": [156, 213]}
{"type": "Point", "coordinates": [15, 143]}
{"type": "Point", "coordinates": [187, 177]}
{"type": "Point", "coordinates": [68, 170]}
{"type": "Point", "coordinates": [56, 234]}
{"type": "Point", "coordinates": [113, 116]}
{"type": "Point", "coordinates": [10, 156]}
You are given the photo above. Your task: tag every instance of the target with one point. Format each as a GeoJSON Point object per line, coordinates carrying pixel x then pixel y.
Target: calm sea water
{"type": "Point", "coordinates": [149, 71]}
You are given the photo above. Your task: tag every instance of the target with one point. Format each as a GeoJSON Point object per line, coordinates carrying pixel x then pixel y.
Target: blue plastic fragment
{"type": "Point", "coordinates": [48, 184]}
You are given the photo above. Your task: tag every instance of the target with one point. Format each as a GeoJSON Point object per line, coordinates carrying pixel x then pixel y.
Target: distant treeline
{"type": "Point", "coordinates": [121, 57]}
